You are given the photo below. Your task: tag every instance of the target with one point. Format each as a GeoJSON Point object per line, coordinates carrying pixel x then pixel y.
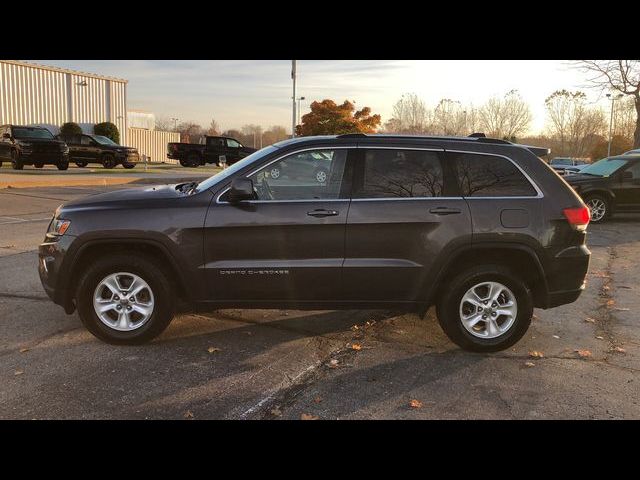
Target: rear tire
{"type": "Point", "coordinates": [599, 206]}
{"type": "Point", "coordinates": [161, 298]}
{"type": "Point", "coordinates": [108, 161]}
{"type": "Point", "coordinates": [16, 164]}
{"type": "Point", "coordinates": [486, 334]}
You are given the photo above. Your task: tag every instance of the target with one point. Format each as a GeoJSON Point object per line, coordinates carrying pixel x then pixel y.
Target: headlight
{"type": "Point", "coordinates": [58, 227]}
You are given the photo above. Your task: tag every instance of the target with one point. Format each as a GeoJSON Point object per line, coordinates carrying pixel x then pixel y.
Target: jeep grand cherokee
{"type": "Point", "coordinates": [481, 228]}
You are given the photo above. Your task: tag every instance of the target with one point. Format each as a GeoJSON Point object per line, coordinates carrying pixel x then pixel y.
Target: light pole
{"type": "Point", "coordinates": [613, 100]}
{"type": "Point", "coordinates": [293, 117]}
{"type": "Point", "coordinates": [175, 123]}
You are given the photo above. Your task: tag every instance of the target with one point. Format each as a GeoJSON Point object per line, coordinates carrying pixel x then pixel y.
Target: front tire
{"type": "Point", "coordinates": [16, 164]}
{"type": "Point", "coordinates": [599, 206]}
{"type": "Point", "coordinates": [485, 309]}
{"type": "Point", "coordinates": [119, 286]}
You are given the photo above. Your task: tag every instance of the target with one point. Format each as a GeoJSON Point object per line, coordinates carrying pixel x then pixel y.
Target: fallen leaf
{"type": "Point", "coordinates": [356, 346]}
{"type": "Point", "coordinates": [18, 372]}
{"type": "Point", "coordinates": [317, 400]}
{"type": "Point", "coordinates": [213, 350]}
{"type": "Point", "coordinates": [276, 412]}
{"type": "Point", "coordinates": [555, 336]}
{"type": "Point", "coordinates": [415, 403]}
{"type": "Point", "coordinates": [583, 353]}
{"type": "Point", "coordinates": [188, 414]}
{"type": "Point", "coordinates": [355, 327]}
{"type": "Point", "coordinates": [599, 337]}
{"type": "Point", "coordinates": [536, 354]}
{"type": "Point", "coordinates": [307, 416]}
{"type": "Point", "coordinates": [529, 364]}
{"type": "Point", "coordinates": [619, 309]}
{"type": "Point", "coordinates": [22, 350]}
{"type": "Point", "coordinates": [589, 320]}
{"type": "Point", "coordinates": [618, 350]}
{"type": "Point", "coordinates": [333, 363]}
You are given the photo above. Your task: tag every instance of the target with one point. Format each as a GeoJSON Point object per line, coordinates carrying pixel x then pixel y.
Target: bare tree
{"type": "Point", "coordinates": [505, 117]}
{"type": "Point", "coordinates": [274, 134]}
{"type": "Point", "coordinates": [449, 117]}
{"type": "Point", "coordinates": [410, 115]}
{"type": "Point", "coordinates": [624, 118]}
{"type": "Point", "coordinates": [620, 75]}
{"type": "Point", "coordinates": [164, 124]}
{"type": "Point", "coordinates": [190, 132]}
{"type": "Point", "coordinates": [252, 135]}
{"type": "Point", "coordinates": [214, 128]}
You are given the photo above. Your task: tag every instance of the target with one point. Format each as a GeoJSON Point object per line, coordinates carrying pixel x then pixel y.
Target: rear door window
{"type": "Point", "coordinates": [400, 173]}
{"type": "Point", "coordinates": [490, 176]}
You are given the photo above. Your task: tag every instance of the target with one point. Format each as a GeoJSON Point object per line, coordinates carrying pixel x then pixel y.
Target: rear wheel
{"type": "Point", "coordinates": [599, 206]}
{"type": "Point", "coordinates": [16, 163]}
{"type": "Point", "coordinates": [125, 299]}
{"type": "Point", "coordinates": [82, 164]}
{"type": "Point", "coordinates": [485, 309]}
{"type": "Point", "coordinates": [108, 161]}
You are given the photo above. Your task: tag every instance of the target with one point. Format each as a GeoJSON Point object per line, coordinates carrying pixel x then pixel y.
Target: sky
{"type": "Point", "coordinates": [239, 92]}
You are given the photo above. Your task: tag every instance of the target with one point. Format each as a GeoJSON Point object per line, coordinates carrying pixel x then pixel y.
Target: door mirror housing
{"type": "Point", "coordinates": [241, 189]}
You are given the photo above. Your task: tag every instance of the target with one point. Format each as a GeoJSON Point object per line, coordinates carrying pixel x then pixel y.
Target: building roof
{"type": "Point", "coordinates": [64, 70]}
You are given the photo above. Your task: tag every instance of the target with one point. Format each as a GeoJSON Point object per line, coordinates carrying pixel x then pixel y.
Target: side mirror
{"type": "Point", "coordinates": [241, 189]}
{"type": "Point", "coordinates": [6, 135]}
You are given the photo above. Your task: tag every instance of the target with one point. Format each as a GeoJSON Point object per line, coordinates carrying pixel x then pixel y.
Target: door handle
{"type": "Point", "coordinates": [321, 212]}
{"type": "Point", "coordinates": [445, 211]}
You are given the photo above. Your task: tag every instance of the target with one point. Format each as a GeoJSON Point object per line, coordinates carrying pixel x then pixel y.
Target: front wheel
{"type": "Point", "coordinates": [485, 309]}
{"type": "Point", "coordinates": [599, 206]}
{"type": "Point", "coordinates": [125, 299]}
{"type": "Point", "coordinates": [16, 164]}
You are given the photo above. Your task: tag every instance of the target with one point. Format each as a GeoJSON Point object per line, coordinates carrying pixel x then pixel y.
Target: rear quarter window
{"type": "Point", "coordinates": [490, 176]}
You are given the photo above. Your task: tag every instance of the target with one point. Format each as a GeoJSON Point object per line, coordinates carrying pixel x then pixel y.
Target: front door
{"type": "Point", "coordinates": [626, 187]}
{"type": "Point", "coordinates": [286, 244]}
{"type": "Point", "coordinates": [404, 218]}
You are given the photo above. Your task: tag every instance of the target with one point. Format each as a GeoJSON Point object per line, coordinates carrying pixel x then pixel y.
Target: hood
{"type": "Point", "coordinates": [124, 197]}
{"type": "Point", "coordinates": [40, 141]}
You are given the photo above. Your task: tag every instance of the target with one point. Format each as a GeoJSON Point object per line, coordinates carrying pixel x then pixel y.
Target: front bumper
{"type": "Point", "coordinates": [47, 158]}
{"type": "Point", "coordinates": [132, 157]}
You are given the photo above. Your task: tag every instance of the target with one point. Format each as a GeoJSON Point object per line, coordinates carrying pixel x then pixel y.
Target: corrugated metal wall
{"type": "Point", "coordinates": [152, 143]}
{"type": "Point", "coordinates": [40, 95]}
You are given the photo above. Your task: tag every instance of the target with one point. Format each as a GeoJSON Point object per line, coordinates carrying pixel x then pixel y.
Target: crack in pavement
{"type": "Point", "coordinates": [24, 297]}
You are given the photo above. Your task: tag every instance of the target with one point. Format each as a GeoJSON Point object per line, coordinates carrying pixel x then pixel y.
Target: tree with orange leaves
{"type": "Point", "coordinates": [328, 118]}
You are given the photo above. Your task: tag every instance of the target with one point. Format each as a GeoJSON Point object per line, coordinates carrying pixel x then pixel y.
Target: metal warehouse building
{"type": "Point", "coordinates": [32, 94]}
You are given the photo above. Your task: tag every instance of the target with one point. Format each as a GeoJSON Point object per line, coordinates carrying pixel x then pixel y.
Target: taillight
{"type": "Point", "coordinates": [578, 217]}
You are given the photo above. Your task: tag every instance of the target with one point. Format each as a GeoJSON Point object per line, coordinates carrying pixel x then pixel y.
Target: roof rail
{"type": "Point", "coordinates": [352, 135]}
{"type": "Point", "coordinates": [478, 135]}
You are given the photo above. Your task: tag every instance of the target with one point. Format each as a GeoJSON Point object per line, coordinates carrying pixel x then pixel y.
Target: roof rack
{"type": "Point", "coordinates": [475, 137]}
{"type": "Point", "coordinates": [478, 135]}
{"type": "Point", "coordinates": [352, 135]}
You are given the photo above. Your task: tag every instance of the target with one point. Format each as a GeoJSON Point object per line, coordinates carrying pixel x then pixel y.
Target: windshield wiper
{"type": "Point", "coordinates": [592, 174]}
{"type": "Point", "coordinates": [187, 187]}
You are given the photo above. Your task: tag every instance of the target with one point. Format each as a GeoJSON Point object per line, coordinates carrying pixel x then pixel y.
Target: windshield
{"type": "Point", "coordinates": [561, 161]}
{"type": "Point", "coordinates": [604, 167]}
{"type": "Point", "coordinates": [227, 172]}
{"type": "Point", "coordinates": [103, 140]}
{"type": "Point", "coordinates": [21, 132]}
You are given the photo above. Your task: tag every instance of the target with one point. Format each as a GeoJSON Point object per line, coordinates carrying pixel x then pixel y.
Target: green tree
{"type": "Point", "coordinates": [107, 129]}
{"type": "Point", "coordinates": [328, 118]}
{"type": "Point", "coordinates": [70, 128]}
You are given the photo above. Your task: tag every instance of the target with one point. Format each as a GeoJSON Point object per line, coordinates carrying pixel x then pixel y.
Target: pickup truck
{"type": "Point", "coordinates": [212, 150]}
{"type": "Point", "coordinates": [24, 145]}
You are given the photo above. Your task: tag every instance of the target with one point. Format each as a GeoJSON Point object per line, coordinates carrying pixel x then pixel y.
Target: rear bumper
{"type": "Point", "coordinates": [566, 275]}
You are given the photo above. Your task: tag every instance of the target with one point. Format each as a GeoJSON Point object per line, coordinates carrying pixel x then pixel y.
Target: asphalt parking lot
{"type": "Point", "coordinates": [579, 361]}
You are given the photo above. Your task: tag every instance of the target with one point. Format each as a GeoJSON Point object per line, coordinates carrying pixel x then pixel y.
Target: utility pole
{"type": "Point", "coordinates": [293, 118]}
{"type": "Point", "coordinates": [175, 124]}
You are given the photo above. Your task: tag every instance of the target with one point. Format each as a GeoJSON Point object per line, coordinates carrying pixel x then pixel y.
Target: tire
{"type": "Point", "coordinates": [16, 164]}
{"type": "Point", "coordinates": [38, 165]}
{"type": "Point", "coordinates": [184, 162]}
{"type": "Point", "coordinates": [193, 160]}
{"type": "Point", "coordinates": [63, 166]}
{"type": "Point", "coordinates": [82, 164]}
{"type": "Point", "coordinates": [161, 297]}
{"type": "Point", "coordinates": [321, 175]}
{"type": "Point", "coordinates": [108, 161]}
{"type": "Point", "coordinates": [485, 338]}
{"type": "Point", "coordinates": [599, 206]}
{"type": "Point", "coordinates": [129, 166]}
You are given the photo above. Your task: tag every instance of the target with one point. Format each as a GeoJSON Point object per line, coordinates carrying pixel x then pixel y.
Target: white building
{"type": "Point", "coordinates": [32, 94]}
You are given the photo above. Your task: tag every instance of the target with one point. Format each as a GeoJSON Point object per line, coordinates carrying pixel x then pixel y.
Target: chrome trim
{"type": "Point", "coordinates": [340, 147]}
{"type": "Point", "coordinates": [533, 184]}
{"type": "Point", "coordinates": [404, 198]}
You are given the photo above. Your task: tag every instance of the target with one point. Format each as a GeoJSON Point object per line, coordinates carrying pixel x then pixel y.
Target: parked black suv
{"type": "Point", "coordinates": [85, 149]}
{"type": "Point", "coordinates": [482, 228]}
{"type": "Point", "coordinates": [211, 151]}
{"type": "Point", "coordinates": [609, 185]}
{"type": "Point", "coordinates": [31, 146]}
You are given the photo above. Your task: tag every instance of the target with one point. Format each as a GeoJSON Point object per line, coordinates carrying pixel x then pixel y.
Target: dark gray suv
{"type": "Point", "coordinates": [481, 228]}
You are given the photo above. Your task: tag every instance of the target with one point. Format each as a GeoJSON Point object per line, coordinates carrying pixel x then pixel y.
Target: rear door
{"type": "Point", "coordinates": [405, 217]}
{"type": "Point", "coordinates": [626, 186]}
{"type": "Point", "coordinates": [215, 147]}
